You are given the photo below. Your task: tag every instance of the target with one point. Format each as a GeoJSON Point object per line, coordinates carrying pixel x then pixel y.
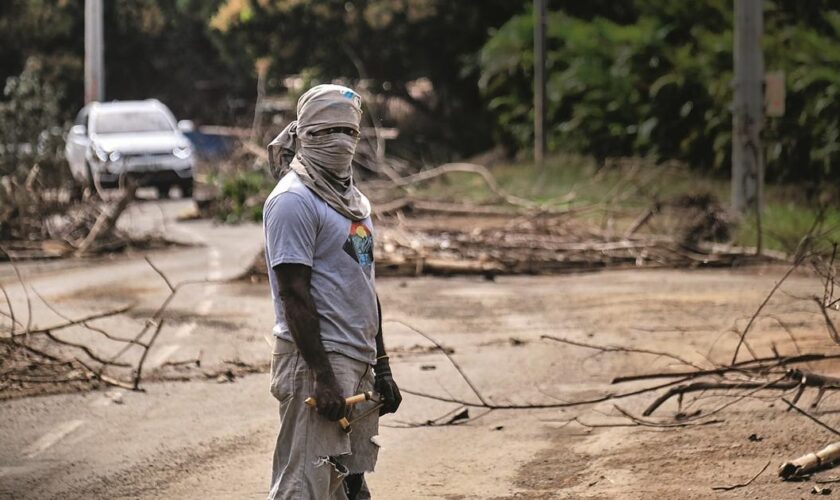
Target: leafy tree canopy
{"type": "Point", "coordinates": [390, 42]}
{"type": "Point", "coordinates": [657, 81]}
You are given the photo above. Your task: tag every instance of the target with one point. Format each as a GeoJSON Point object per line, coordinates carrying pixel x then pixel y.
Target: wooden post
{"type": "Point", "coordinates": [94, 50]}
{"type": "Point", "coordinates": [539, 81]}
{"type": "Point", "coordinates": [747, 112]}
{"type": "Point", "coordinates": [261, 65]}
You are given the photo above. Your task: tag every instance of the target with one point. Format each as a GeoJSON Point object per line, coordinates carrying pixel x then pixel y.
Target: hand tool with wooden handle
{"type": "Point", "coordinates": [349, 401]}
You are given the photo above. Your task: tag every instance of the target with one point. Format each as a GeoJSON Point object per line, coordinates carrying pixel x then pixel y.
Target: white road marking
{"type": "Point", "coordinates": [215, 257]}
{"type": "Point", "coordinates": [214, 266]}
{"type": "Point", "coordinates": [50, 438]}
{"type": "Point", "coordinates": [15, 470]}
{"type": "Point", "coordinates": [215, 263]}
{"type": "Point", "coordinates": [185, 330]}
{"type": "Point", "coordinates": [163, 354]}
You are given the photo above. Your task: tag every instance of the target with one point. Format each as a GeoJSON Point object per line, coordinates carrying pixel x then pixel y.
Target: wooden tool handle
{"type": "Point", "coordinates": [349, 401]}
{"type": "Point", "coordinates": [345, 424]}
{"type": "Point", "coordinates": [359, 398]}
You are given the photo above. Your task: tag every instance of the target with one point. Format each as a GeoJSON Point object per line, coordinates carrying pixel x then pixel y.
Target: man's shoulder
{"type": "Point", "coordinates": [291, 190]}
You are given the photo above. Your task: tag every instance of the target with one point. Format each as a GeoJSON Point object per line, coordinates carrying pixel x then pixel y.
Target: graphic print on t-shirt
{"type": "Point", "coordinates": [359, 245]}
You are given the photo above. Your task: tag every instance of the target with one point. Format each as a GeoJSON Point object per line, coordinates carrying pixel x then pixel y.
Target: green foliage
{"type": "Point", "coordinates": [164, 49]}
{"type": "Point", "coordinates": [659, 83]}
{"type": "Point", "coordinates": [241, 196]}
{"type": "Point", "coordinates": [806, 139]}
{"type": "Point", "coordinates": [154, 48]}
{"type": "Point", "coordinates": [30, 133]}
{"type": "Point", "coordinates": [386, 42]}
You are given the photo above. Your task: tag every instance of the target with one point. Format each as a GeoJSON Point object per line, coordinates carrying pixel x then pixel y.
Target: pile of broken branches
{"type": "Point", "coordinates": [542, 246]}
{"type": "Point", "coordinates": [38, 223]}
{"type": "Point", "coordinates": [531, 238]}
{"type": "Point", "coordinates": [518, 236]}
{"type": "Point", "coordinates": [38, 359]}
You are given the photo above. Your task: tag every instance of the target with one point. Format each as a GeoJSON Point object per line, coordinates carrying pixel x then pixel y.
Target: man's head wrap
{"type": "Point", "coordinates": [323, 162]}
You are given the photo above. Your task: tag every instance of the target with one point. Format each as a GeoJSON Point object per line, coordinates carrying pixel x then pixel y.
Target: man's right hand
{"type": "Point", "coordinates": [329, 402]}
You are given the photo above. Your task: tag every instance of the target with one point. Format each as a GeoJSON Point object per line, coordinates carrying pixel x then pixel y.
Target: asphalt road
{"type": "Point", "coordinates": [203, 439]}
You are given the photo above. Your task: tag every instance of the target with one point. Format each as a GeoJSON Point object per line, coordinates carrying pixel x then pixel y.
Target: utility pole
{"type": "Point", "coordinates": [539, 81]}
{"type": "Point", "coordinates": [747, 112]}
{"type": "Point", "coordinates": [94, 49]}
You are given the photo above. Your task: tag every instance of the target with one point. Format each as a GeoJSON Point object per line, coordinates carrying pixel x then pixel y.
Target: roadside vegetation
{"type": "Point", "coordinates": [654, 80]}
{"type": "Point", "coordinates": [625, 188]}
{"type": "Point", "coordinates": [610, 195]}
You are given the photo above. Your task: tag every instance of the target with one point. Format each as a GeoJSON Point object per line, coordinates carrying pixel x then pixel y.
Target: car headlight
{"type": "Point", "coordinates": [115, 156]}
{"type": "Point", "coordinates": [100, 153]}
{"type": "Point", "coordinates": [182, 153]}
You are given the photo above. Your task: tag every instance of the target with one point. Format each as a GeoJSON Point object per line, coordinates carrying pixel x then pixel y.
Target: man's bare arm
{"type": "Point", "coordinates": [302, 318]}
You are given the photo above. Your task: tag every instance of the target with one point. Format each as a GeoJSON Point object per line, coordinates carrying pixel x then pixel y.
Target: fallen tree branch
{"type": "Point", "coordinates": [793, 379]}
{"type": "Point", "coordinates": [614, 348]}
{"type": "Point", "coordinates": [470, 168]}
{"type": "Point", "coordinates": [564, 404]}
{"type": "Point", "coordinates": [761, 306]}
{"type": "Point", "coordinates": [58, 368]}
{"type": "Point", "coordinates": [448, 356]}
{"type": "Point", "coordinates": [814, 419]}
{"type": "Point", "coordinates": [105, 222]}
{"type": "Point", "coordinates": [705, 386]}
{"type": "Point", "coordinates": [810, 462]}
{"type": "Point", "coordinates": [829, 324]}
{"type": "Point", "coordinates": [138, 374]}
{"type": "Point", "coordinates": [757, 365]}
{"type": "Point", "coordinates": [75, 322]}
{"type": "Point", "coordinates": [742, 485]}
{"type": "Point", "coordinates": [665, 425]}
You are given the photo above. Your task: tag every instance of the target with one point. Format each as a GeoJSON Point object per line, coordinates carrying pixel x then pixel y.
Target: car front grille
{"type": "Point", "coordinates": [148, 158]}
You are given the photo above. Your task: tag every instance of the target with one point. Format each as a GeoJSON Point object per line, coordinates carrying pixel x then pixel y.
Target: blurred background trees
{"type": "Point", "coordinates": [656, 80]}
{"type": "Point", "coordinates": [632, 78]}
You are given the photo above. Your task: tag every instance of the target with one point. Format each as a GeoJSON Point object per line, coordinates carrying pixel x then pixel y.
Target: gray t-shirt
{"type": "Point", "coordinates": [300, 228]}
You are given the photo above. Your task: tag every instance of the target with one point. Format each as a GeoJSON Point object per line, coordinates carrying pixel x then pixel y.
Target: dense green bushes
{"type": "Point", "coordinates": [659, 83]}
{"type": "Point", "coordinates": [31, 130]}
{"type": "Point", "coordinates": [241, 194]}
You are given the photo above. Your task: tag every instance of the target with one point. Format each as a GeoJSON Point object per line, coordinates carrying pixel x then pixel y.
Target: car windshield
{"type": "Point", "coordinates": [129, 122]}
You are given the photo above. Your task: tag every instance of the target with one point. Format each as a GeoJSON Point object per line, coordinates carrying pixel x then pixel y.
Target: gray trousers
{"type": "Point", "coordinates": [313, 455]}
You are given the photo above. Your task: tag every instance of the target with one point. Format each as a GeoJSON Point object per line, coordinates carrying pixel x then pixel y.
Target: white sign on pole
{"type": "Point", "coordinates": [774, 93]}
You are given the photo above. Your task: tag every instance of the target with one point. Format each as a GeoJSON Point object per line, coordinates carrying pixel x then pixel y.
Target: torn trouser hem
{"type": "Point", "coordinates": [339, 469]}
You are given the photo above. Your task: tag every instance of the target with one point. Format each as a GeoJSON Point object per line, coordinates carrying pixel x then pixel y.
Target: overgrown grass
{"type": "Point", "coordinates": [630, 186]}
{"type": "Point", "coordinates": [785, 223]}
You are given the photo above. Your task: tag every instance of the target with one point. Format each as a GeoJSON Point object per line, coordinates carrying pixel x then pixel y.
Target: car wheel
{"type": "Point", "coordinates": [187, 189]}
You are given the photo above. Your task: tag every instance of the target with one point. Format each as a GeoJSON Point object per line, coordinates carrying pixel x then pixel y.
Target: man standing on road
{"type": "Point", "coordinates": [328, 326]}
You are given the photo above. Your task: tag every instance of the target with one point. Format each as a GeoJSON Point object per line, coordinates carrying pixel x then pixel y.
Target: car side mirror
{"type": "Point", "coordinates": [186, 126]}
{"type": "Point", "coordinates": [78, 130]}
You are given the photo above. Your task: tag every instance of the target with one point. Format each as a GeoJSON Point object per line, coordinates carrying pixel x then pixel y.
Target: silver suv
{"type": "Point", "coordinates": [136, 139]}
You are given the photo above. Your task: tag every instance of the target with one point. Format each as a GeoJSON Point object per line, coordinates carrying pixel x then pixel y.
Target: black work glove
{"type": "Point", "coordinates": [384, 384]}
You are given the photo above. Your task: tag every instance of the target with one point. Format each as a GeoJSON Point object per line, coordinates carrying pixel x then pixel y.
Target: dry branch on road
{"type": "Point", "coordinates": [38, 356]}
{"type": "Point", "coordinates": [40, 223]}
